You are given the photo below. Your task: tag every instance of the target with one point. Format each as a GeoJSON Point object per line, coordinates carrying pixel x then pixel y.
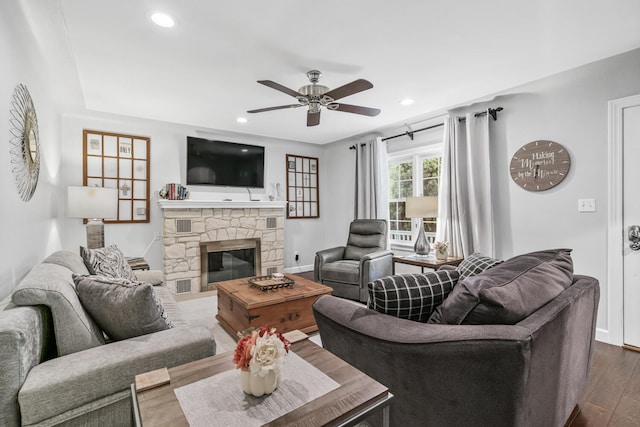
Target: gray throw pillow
{"type": "Point", "coordinates": [122, 308]}
{"type": "Point", "coordinates": [475, 264]}
{"type": "Point", "coordinates": [107, 262]}
{"type": "Point", "coordinates": [411, 296]}
{"type": "Point", "coordinates": [508, 292]}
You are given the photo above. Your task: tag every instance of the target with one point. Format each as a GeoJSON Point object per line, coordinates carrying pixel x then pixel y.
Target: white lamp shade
{"type": "Point", "coordinates": [92, 202]}
{"type": "Point", "coordinates": [421, 207]}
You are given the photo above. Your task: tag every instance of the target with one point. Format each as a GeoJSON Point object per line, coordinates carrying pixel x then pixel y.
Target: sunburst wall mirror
{"type": "Point", "coordinates": [25, 142]}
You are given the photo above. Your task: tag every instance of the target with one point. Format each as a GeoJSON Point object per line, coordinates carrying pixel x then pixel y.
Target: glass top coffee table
{"type": "Point", "coordinates": [357, 397]}
{"type": "Point", "coordinates": [426, 262]}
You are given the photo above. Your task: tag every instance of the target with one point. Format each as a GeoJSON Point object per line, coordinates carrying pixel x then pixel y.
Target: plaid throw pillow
{"type": "Point", "coordinates": [475, 264]}
{"type": "Point", "coordinates": [107, 262]}
{"type": "Point", "coordinates": [411, 296]}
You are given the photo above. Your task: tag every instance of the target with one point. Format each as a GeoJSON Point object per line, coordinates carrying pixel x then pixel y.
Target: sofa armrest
{"type": "Point", "coordinates": [155, 277]}
{"type": "Point", "coordinates": [70, 381]}
{"type": "Point", "coordinates": [26, 339]}
{"type": "Point", "coordinates": [458, 372]}
{"type": "Point", "coordinates": [326, 256]}
{"type": "Point", "coordinates": [372, 267]}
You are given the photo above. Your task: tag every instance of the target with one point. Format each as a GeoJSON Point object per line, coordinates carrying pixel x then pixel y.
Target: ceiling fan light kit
{"type": "Point", "coordinates": [315, 96]}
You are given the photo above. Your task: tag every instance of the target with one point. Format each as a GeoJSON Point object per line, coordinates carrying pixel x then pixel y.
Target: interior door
{"type": "Point", "coordinates": [631, 218]}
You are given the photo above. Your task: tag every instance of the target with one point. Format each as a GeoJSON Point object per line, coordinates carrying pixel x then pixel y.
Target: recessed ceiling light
{"type": "Point", "coordinates": [241, 120]}
{"type": "Point", "coordinates": [163, 20]}
{"type": "Point", "coordinates": [406, 101]}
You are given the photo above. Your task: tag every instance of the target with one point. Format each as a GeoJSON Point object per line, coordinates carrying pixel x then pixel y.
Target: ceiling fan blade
{"type": "Point", "coordinates": [279, 107]}
{"type": "Point", "coordinates": [278, 86]}
{"type": "Point", "coordinates": [313, 119]}
{"type": "Point", "coordinates": [349, 89]}
{"type": "Point", "coordinates": [356, 109]}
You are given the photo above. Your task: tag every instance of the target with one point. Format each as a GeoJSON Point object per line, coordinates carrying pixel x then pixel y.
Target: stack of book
{"type": "Point", "coordinates": [175, 191]}
{"type": "Point", "coordinates": [138, 263]}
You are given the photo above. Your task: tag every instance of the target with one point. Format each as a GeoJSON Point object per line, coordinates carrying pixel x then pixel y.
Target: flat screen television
{"type": "Point", "coordinates": [222, 163]}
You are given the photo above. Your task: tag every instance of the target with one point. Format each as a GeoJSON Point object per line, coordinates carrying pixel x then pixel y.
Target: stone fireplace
{"type": "Point", "coordinates": [205, 242]}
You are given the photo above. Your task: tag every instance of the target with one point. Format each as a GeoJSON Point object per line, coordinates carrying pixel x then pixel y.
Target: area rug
{"type": "Point", "coordinates": [202, 311]}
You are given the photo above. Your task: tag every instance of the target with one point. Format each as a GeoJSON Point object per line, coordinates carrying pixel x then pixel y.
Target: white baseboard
{"type": "Point", "coordinates": [602, 335]}
{"type": "Point", "coordinates": [299, 269]}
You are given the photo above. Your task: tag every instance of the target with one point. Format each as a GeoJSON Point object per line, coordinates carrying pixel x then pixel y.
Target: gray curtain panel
{"type": "Point", "coordinates": [465, 209]}
{"type": "Point", "coordinates": [372, 180]}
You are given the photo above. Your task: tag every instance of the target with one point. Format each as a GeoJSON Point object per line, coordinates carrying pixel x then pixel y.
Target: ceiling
{"type": "Point", "coordinates": [203, 71]}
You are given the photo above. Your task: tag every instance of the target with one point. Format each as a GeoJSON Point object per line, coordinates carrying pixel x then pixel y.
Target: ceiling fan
{"type": "Point", "coordinates": [315, 96]}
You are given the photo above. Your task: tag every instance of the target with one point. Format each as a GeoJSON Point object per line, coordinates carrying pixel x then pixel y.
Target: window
{"type": "Point", "coordinates": [400, 187]}
{"type": "Point", "coordinates": [412, 175]}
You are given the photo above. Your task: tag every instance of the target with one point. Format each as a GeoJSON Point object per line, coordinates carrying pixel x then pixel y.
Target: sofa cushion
{"type": "Point", "coordinates": [62, 391]}
{"type": "Point", "coordinates": [411, 296]}
{"type": "Point", "coordinates": [343, 271]}
{"type": "Point", "coordinates": [475, 264]}
{"type": "Point", "coordinates": [71, 260]}
{"type": "Point", "coordinates": [52, 285]}
{"type": "Point", "coordinates": [121, 307]}
{"type": "Point", "coordinates": [508, 292]}
{"type": "Point", "coordinates": [366, 236]}
{"type": "Point", "coordinates": [107, 262]}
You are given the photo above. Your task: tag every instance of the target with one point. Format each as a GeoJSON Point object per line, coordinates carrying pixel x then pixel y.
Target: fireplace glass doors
{"type": "Point", "coordinates": [228, 260]}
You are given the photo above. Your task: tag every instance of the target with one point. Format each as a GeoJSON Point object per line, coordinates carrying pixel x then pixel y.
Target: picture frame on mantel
{"type": "Point", "coordinates": [115, 160]}
{"type": "Point", "coordinates": [303, 191]}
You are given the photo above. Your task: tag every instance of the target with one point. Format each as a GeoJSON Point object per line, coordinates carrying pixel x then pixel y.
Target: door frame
{"type": "Point", "coordinates": [614, 334]}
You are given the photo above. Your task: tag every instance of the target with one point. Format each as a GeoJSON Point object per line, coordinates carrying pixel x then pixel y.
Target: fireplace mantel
{"type": "Point", "coordinates": [221, 204]}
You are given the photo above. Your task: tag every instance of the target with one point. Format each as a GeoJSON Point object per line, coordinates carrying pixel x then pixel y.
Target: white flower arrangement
{"type": "Point", "coordinates": [261, 351]}
{"type": "Point", "coordinates": [267, 355]}
{"type": "Point", "coordinates": [441, 247]}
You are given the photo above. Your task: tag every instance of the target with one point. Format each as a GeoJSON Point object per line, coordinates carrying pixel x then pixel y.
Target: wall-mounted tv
{"type": "Point", "coordinates": [222, 163]}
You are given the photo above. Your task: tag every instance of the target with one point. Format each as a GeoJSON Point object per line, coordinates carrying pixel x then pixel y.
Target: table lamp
{"type": "Point", "coordinates": [94, 204]}
{"type": "Point", "coordinates": [421, 207]}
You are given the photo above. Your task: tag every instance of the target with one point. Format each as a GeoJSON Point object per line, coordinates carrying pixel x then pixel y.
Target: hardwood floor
{"type": "Point", "coordinates": [612, 397]}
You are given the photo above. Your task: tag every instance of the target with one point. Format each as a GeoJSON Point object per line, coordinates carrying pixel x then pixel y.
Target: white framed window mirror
{"type": "Point", "coordinates": [413, 172]}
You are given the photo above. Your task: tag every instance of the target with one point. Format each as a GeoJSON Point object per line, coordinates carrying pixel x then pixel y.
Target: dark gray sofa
{"type": "Point", "coordinates": [532, 373]}
{"type": "Point", "coordinates": [88, 387]}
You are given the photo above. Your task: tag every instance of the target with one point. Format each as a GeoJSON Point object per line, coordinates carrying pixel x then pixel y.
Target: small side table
{"type": "Point", "coordinates": [422, 262]}
{"type": "Point", "coordinates": [138, 263]}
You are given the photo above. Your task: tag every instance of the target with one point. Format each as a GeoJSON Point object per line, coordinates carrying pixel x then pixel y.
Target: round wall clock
{"type": "Point", "coordinates": [25, 142]}
{"type": "Point", "coordinates": [540, 165]}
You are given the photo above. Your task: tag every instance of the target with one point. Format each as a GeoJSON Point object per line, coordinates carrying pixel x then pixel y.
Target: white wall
{"type": "Point", "coordinates": [168, 161]}
{"type": "Point", "coordinates": [571, 109]}
{"type": "Point", "coordinates": [31, 230]}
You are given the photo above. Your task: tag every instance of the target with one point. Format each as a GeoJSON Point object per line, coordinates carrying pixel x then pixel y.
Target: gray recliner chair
{"type": "Point", "coordinates": [348, 269]}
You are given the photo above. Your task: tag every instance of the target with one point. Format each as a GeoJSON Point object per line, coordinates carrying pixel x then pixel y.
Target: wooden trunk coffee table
{"type": "Point", "coordinates": [240, 305]}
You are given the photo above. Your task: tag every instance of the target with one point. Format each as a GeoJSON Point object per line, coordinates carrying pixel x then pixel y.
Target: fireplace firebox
{"type": "Point", "coordinates": [228, 260]}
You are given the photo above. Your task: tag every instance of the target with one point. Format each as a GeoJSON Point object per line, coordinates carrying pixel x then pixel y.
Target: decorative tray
{"type": "Point", "coordinates": [268, 283]}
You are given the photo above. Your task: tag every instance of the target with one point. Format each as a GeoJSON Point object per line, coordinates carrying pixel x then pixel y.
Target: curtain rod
{"type": "Point", "coordinates": [493, 112]}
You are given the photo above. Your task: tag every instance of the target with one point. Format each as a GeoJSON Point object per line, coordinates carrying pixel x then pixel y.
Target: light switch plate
{"type": "Point", "coordinates": [586, 205]}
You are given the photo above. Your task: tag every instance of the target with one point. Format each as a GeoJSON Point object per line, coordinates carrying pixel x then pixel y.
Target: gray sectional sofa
{"type": "Point", "coordinates": [529, 373]}
{"type": "Point", "coordinates": [57, 368]}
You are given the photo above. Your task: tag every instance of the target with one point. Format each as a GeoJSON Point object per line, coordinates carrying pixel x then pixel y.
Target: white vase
{"type": "Point", "coordinates": [442, 255]}
{"type": "Point", "coordinates": [257, 385]}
